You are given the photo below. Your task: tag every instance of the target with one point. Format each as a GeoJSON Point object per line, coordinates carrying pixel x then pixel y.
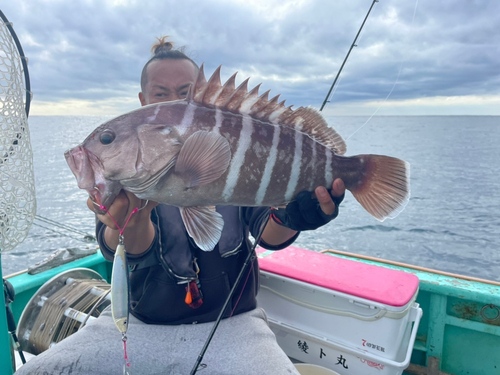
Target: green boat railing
{"type": "Point", "coordinates": [459, 332]}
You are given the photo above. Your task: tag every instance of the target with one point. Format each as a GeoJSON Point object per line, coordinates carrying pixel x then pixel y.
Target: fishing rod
{"type": "Point", "coordinates": [251, 255]}
{"type": "Point", "coordinates": [347, 56]}
{"type": "Point", "coordinates": [250, 259]}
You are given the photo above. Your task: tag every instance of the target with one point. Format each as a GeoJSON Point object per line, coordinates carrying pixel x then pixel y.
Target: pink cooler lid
{"type": "Point", "coordinates": [374, 283]}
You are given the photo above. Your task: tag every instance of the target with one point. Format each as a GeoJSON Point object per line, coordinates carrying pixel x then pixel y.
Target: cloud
{"type": "Point", "coordinates": [93, 51]}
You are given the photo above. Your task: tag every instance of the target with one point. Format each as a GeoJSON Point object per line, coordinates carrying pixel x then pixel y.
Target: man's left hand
{"type": "Point", "coordinates": [311, 211]}
{"type": "Point", "coordinates": [325, 200]}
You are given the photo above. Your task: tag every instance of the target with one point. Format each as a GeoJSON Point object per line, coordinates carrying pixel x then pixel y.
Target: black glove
{"type": "Point", "coordinates": [305, 213]}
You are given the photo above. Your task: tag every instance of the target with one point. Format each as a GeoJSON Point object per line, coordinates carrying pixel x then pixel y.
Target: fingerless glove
{"type": "Point", "coordinates": [305, 213]}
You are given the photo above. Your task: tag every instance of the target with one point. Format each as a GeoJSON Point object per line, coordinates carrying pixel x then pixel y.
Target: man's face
{"type": "Point", "coordinates": [168, 80]}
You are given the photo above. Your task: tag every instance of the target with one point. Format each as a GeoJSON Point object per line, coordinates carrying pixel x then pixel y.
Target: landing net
{"type": "Point", "coordinates": [17, 184]}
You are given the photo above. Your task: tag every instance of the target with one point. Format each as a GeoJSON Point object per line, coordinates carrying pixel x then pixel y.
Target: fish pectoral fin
{"type": "Point", "coordinates": [204, 225]}
{"type": "Point", "coordinates": [203, 158]}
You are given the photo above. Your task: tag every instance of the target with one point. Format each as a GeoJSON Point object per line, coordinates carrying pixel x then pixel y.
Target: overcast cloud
{"type": "Point", "coordinates": [85, 57]}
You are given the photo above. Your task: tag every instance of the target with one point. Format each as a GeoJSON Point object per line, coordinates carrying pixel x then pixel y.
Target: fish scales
{"type": "Point", "coordinates": [251, 143]}
{"type": "Point", "coordinates": [226, 146]}
{"type": "Point", "coordinates": [257, 155]}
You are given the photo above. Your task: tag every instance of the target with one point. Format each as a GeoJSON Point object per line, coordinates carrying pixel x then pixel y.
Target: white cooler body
{"type": "Point", "coordinates": [342, 358]}
{"type": "Point", "coordinates": [334, 316]}
{"type": "Point", "coordinates": [349, 316]}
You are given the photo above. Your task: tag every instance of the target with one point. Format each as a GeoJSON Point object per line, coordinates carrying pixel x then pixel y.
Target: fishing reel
{"type": "Point", "coordinates": [62, 306]}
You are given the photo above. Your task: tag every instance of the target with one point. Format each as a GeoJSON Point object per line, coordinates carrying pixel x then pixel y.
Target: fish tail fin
{"type": "Point", "coordinates": [383, 188]}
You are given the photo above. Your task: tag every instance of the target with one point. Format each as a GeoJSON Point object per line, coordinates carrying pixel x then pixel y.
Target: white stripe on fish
{"type": "Point", "coordinates": [269, 168]}
{"type": "Point", "coordinates": [328, 167]}
{"type": "Point", "coordinates": [187, 120]}
{"type": "Point", "coordinates": [296, 167]}
{"type": "Point", "coordinates": [152, 118]}
{"type": "Point", "coordinates": [313, 165]}
{"type": "Point", "coordinates": [218, 120]}
{"type": "Point", "coordinates": [244, 142]}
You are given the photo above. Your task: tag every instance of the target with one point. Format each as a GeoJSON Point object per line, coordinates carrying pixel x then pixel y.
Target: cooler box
{"type": "Point", "coordinates": [325, 302]}
{"type": "Point", "coordinates": [342, 358]}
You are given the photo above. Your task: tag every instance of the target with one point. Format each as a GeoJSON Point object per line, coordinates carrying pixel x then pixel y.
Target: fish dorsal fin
{"type": "Point", "coordinates": [238, 100]}
{"type": "Point", "coordinates": [310, 121]}
{"type": "Point", "coordinates": [198, 89]}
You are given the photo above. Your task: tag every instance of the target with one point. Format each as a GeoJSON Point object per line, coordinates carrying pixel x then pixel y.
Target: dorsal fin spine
{"type": "Point", "coordinates": [249, 100]}
{"type": "Point", "coordinates": [200, 85]}
{"type": "Point", "coordinates": [280, 108]}
{"type": "Point", "coordinates": [235, 100]}
{"type": "Point", "coordinates": [306, 120]}
{"type": "Point", "coordinates": [260, 103]}
{"type": "Point", "coordinates": [226, 91]}
{"type": "Point", "coordinates": [269, 108]}
{"type": "Point", "coordinates": [213, 88]}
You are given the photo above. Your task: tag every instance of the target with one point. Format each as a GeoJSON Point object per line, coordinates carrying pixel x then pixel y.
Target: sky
{"type": "Point", "coordinates": [432, 57]}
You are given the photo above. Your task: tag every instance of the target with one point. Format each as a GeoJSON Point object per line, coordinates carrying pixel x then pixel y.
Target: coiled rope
{"type": "Point", "coordinates": [64, 311]}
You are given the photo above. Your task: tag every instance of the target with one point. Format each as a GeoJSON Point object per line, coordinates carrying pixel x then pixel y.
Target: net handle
{"type": "Point", "coordinates": [24, 61]}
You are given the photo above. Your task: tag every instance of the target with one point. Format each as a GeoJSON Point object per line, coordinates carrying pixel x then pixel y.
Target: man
{"type": "Point", "coordinates": [178, 289]}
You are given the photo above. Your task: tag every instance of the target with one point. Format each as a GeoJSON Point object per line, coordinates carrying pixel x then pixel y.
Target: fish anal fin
{"type": "Point", "coordinates": [204, 225]}
{"type": "Point", "coordinates": [203, 158]}
{"type": "Point", "coordinates": [383, 188]}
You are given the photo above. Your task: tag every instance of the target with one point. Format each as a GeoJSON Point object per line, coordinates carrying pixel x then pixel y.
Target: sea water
{"type": "Point", "coordinates": [451, 223]}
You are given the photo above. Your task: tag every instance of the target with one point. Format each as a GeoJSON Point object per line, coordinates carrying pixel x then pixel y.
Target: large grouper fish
{"type": "Point", "coordinates": [228, 146]}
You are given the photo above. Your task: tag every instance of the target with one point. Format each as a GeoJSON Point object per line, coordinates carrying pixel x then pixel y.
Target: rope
{"type": "Point", "coordinates": [52, 325]}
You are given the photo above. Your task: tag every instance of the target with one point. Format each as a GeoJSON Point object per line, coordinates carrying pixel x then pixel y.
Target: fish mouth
{"type": "Point", "coordinates": [80, 163]}
{"type": "Point", "coordinates": [85, 167]}
{"type": "Point", "coordinates": [96, 199]}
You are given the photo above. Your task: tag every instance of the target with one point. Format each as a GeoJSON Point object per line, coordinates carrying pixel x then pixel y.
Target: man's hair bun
{"type": "Point", "coordinates": [164, 50]}
{"type": "Point", "coordinates": [162, 46]}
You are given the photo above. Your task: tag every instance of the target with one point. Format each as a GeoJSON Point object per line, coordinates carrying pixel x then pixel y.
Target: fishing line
{"type": "Point", "coordinates": [336, 87]}
{"type": "Point", "coordinates": [126, 365]}
{"type": "Point", "coordinates": [393, 86]}
{"type": "Point", "coordinates": [64, 226]}
{"type": "Point", "coordinates": [59, 233]}
{"type": "Point", "coordinates": [242, 289]}
{"type": "Point", "coordinates": [129, 217]}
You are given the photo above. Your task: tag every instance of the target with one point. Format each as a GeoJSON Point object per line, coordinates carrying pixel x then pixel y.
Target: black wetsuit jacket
{"type": "Point", "coordinates": [159, 276]}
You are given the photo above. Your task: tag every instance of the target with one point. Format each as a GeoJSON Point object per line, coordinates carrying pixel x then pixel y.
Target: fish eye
{"type": "Point", "coordinates": [106, 137]}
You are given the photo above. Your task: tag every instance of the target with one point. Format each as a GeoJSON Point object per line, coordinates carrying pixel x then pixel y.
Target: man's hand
{"type": "Point", "coordinates": [307, 212]}
{"type": "Point", "coordinates": [325, 200]}
{"type": "Point", "coordinates": [139, 232]}
{"type": "Point", "coordinates": [121, 208]}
